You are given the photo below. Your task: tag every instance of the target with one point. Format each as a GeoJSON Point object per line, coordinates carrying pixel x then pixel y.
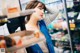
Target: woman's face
{"type": "Point", "coordinates": [39, 12]}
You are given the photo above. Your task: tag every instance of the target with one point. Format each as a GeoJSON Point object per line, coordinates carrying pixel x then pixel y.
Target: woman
{"type": "Point", "coordinates": [35, 23]}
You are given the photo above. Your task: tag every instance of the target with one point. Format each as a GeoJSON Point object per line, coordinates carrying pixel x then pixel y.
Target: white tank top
{"type": "Point", "coordinates": [42, 44]}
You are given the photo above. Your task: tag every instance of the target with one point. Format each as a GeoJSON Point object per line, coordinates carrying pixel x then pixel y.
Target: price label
{"type": "Point", "coordinates": [12, 10]}
{"type": "Point", "coordinates": [72, 26]}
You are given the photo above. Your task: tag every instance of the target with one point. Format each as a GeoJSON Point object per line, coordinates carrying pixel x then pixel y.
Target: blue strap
{"type": "Point", "coordinates": [44, 30]}
{"type": "Point", "coordinates": [35, 49]}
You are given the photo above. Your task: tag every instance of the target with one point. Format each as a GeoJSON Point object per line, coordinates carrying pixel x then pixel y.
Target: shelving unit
{"type": "Point", "coordinates": [73, 29]}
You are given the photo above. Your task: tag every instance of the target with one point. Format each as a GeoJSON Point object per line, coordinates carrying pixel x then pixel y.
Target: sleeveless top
{"type": "Point", "coordinates": [42, 44]}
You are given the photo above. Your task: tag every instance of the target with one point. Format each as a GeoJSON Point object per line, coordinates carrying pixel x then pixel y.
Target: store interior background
{"type": "Point", "coordinates": [61, 36]}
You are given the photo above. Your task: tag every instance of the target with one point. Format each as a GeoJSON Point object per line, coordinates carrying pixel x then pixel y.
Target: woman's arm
{"type": "Point", "coordinates": [51, 15]}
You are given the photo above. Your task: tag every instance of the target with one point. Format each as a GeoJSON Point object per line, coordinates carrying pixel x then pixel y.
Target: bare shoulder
{"type": "Point", "coordinates": [30, 28]}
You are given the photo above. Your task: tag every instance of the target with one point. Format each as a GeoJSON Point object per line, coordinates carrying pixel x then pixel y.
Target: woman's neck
{"type": "Point", "coordinates": [33, 22]}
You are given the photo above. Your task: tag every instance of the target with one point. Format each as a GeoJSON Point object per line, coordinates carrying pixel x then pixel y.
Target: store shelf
{"type": "Point", "coordinates": [2, 17]}
{"type": "Point", "coordinates": [24, 45]}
